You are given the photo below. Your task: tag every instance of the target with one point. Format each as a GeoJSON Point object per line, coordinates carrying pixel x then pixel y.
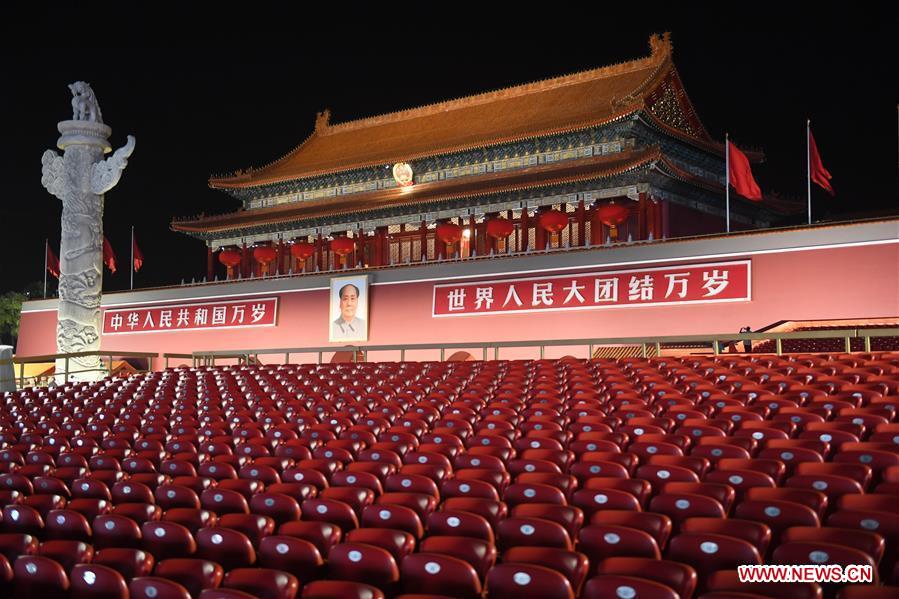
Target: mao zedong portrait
{"type": "Point", "coordinates": [348, 326]}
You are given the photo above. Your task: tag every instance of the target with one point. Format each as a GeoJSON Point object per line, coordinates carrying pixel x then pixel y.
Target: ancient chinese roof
{"type": "Point", "coordinates": [547, 107]}
{"type": "Point", "coordinates": [534, 177]}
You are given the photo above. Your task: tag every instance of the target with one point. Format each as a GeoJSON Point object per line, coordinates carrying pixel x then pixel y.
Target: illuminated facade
{"type": "Point", "coordinates": [615, 154]}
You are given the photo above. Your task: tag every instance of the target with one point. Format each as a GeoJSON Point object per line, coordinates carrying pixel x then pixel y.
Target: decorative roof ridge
{"type": "Point", "coordinates": [660, 53]}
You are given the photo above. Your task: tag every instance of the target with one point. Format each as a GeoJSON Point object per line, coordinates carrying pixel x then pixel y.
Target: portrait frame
{"type": "Point", "coordinates": [356, 329]}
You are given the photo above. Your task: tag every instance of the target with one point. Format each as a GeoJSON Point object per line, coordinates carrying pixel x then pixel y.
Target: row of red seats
{"type": "Point", "coordinates": [539, 424]}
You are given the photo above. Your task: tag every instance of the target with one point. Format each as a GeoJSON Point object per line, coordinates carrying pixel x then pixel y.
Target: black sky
{"type": "Point", "coordinates": [208, 110]}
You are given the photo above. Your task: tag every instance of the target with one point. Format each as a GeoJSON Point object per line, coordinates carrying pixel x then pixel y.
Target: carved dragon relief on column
{"type": "Point", "coordinates": [79, 178]}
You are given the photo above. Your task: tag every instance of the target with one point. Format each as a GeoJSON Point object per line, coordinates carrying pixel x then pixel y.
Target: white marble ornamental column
{"type": "Point", "coordinates": [79, 178]}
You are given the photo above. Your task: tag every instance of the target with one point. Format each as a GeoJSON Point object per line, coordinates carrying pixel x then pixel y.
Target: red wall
{"type": "Point", "coordinates": [849, 282]}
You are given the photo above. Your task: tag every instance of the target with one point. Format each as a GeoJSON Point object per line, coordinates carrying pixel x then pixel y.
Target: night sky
{"type": "Point", "coordinates": [196, 112]}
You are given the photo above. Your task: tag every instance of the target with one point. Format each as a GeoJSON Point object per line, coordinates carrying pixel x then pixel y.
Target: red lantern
{"type": "Point", "coordinates": [229, 257]}
{"type": "Point", "coordinates": [302, 250]}
{"type": "Point", "coordinates": [612, 214]}
{"type": "Point", "coordinates": [553, 221]}
{"type": "Point", "coordinates": [264, 254]}
{"type": "Point", "coordinates": [499, 228]}
{"type": "Point", "coordinates": [449, 232]}
{"type": "Point", "coordinates": [342, 246]}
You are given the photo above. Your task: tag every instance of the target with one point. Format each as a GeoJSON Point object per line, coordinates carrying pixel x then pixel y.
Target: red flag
{"type": "Point", "coordinates": [109, 258]}
{"type": "Point", "coordinates": [138, 255]}
{"type": "Point", "coordinates": [819, 174]}
{"type": "Point", "coordinates": [741, 175]}
{"type": "Point", "coordinates": [52, 262]}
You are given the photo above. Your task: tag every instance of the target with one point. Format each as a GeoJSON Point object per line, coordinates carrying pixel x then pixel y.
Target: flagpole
{"type": "Point", "coordinates": [46, 251]}
{"type": "Point", "coordinates": [808, 165]}
{"type": "Point", "coordinates": [727, 179]}
{"type": "Point", "coordinates": [132, 257]}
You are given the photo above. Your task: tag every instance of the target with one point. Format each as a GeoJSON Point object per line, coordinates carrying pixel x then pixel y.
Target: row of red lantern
{"type": "Point", "coordinates": [553, 221]}
{"type": "Point", "coordinates": [609, 213]}
{"type": "Point", "coordinates": [301, 250]}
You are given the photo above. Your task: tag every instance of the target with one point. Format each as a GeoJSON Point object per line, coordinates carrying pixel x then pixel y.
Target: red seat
{"type": "Point", "coordinates": [229, 548]}
{"type": "Point", "coordinates": [805, 552]}
{"type": "Point", "coordinates": [757, 533]}
{"type": "Point", "coordinates": [467, 487]}
{"type": "Point", "coordinates": [435, 573]}
{"type": "Point", "coordinates": [152, 587]}
{"type": "Point", "coordinates": [606, 499]}
{"type": "Point", "coordinates": [599, 541]}
{"type": "Point", "coordinates": [639, 488]}
{"type": "Point", "coordinates": [170, 496]}
{"type": "Point", "coordinates": [323, 535]}
{"type": "Point", "coordinates": [131, 492]}
{"type": "Point", "coordinates": [658, 526]}
{"type": "Point", "coordinates": [66, 524]}
{"type": "Point", "coordinates": [511, 581]}
{"type": "Point", "coordinates": [399, 543]}
{"type": "Point", "coordinates": [393, 516]}
{"type": "Point", "coordinates": [12, 545]}
{"type": "Point", "coordinates": [93, 581]}
{"type": "Point", "coordinates": [778, 515]}
{"type": "Point", "coordinates": [707, 552]}
{"type": "Point", "coordinates": [816, 500]}
{"type": "Point", "coordinates": [570, 517]}
{"type": "Point", "coordinates": [358, 562]}
{"type": "Point", "coordinates": [492, 511]}
{"type": "Point", "coordinates": [130, 563]}
{"type": "Point", "coordinates": [254, 526]}
{"type": "Point", "coordinates": [868, 542]}
{"type": "Point", "coordinates": [680, 506]}
{"type": "Point", "coordinates": [608, 585]}
{"type": "Point", "coordinates": [677, 576]}
{"type": "Point", "coordinates": [115, 531]}
{"type": "Point", "coordinates": [190, 518]}
{"type": "Point", "coordinates": [460, 523]}
{"type": "Point", "coordinates": [524, 493]}
{"type": "Point", "coordinates": [536, 532]}
{"type": "Point", "coordinates": [22, 519]}
{"type": "Point", "coordinates": [167, 540]}
{"type": "Point", "coordinates": [37, 576]}
{"type": "Point", "coordinates": [358, 479]}
{"type": "Point", "coordinates": [574, 565]}
{"type": "Point", "coordinates": [296, 556]}
{"type": "Point", "coordinates": [277, 506]}
{"type": "Point", "coordinates": [338, 589]}
{"type": "Point", "coordinates": [330, 510]}
{"type": "Point", "coordinates": [195, 575]}
{"type": "Point", "coordinates": [224, 501]}
{"type": "Point", "coordinates": [264, 583]}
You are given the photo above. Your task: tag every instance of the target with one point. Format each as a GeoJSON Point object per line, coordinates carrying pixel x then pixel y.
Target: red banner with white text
{"type": "Point", "coordinates": [687, 284]}
{"type": "Point", "coordinates": [186, 317]}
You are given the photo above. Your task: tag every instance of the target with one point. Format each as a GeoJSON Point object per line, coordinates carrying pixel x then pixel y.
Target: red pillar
{"type": "Point", "coordinates": [319, 253]}
{"type": "Point", "coordinates": [539, 232]}
{"type": "Point", "coordinates": [244, 262]}
{"type": "Point", "coordinates": [473, 240]}
{"type": "Point", "coordinates": [641, 217]}
{"type": "Point", "coordinates": [581, 224]}
{"type": "Point", "coordinates": [595, 227]}
{"type": "Point", "coordinates": [524, 231]}
{"type": "Point", "coordinates": [423, 240]}
{"type": "Point", "coordinates": [210, 264]}
{"type": "Point", "coordinates": [657, 221]}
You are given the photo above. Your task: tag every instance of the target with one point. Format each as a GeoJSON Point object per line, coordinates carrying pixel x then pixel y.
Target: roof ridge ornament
{"type": "Point", "coordinates": [660, 44]}
{"type": "Point", "coordinates": [322, 120]}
